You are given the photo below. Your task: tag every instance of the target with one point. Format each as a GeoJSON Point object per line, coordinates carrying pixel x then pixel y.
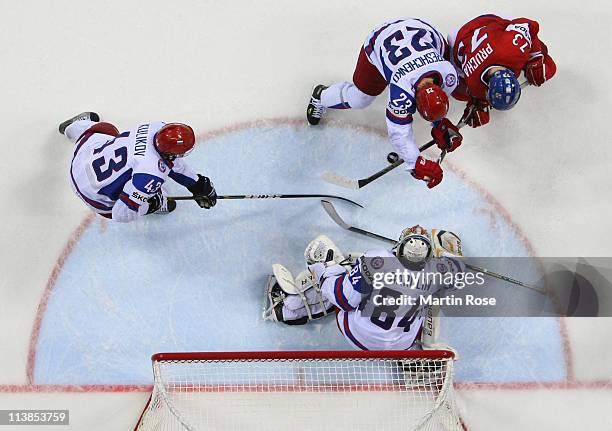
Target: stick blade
{"type": "Point", "coordinates": [331, 211]}
{"type": "Point", "coordinates": [341, 181]}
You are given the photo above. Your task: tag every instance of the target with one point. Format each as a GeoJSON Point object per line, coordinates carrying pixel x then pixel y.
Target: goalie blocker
{"type": "Point", "coordinates": [332, 283]}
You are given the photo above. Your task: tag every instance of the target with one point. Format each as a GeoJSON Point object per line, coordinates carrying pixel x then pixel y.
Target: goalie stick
{"type": "Point", "coordinates": [278, 196]}
{"type": "Point", "coordinates": [350, 183]}
{"type": "Point", "coordinates": [331, 211]}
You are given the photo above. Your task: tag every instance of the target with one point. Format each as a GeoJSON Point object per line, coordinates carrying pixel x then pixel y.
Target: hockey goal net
{"type": "Point", "coordinates": [302, 391]}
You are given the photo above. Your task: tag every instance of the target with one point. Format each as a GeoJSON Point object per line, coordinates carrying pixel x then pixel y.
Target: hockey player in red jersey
{"type": "Point", "coordinates": [490, 52]}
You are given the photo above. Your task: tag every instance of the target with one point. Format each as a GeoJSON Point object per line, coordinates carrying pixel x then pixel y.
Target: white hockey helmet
{"type": "Point", "coordinates": [414, 246]}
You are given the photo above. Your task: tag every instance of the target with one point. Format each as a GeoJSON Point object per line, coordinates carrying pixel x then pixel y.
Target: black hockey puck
{"type": "Point", "coordinates": [392, 157]}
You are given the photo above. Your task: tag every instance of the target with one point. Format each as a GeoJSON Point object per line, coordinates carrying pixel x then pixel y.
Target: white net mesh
{"type": "Point", "coordinates": [393, 393]}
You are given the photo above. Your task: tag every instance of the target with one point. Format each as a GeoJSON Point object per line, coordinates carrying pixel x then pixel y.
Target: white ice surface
{"type": "Point", "coordinates": [216, 65]}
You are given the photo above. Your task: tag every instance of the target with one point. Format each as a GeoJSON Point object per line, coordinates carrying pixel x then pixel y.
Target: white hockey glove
{"type": "Point", "coordinates": [322, 250]}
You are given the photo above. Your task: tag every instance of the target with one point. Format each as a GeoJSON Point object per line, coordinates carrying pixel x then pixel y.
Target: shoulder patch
{"type": "Point", "coordinates": [441, 268]}
{"type": "Point", "coordinates": [450, 80]}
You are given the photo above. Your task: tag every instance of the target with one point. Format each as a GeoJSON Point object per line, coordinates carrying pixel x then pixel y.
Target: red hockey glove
{"type": "Point", "coordinates": [540, 69]}
{"type": "Point", "coordinates": [480, 113]}
{"type": "Point", "coordinates": [446, 135]}
{"type": "Point", "coordinates": [429, 171]}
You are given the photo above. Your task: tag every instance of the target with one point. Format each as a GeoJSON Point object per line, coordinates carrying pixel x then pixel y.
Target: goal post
{"type": "Point", "coordinates": [302, 391]}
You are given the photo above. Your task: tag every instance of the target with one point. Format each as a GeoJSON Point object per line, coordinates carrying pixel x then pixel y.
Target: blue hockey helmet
{"type": "Point", "coordinates": [504, 90]}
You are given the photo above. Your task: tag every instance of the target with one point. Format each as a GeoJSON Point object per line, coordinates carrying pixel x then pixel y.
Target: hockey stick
{"type": "Point", "coordinates": [279, 196]}
{"type": "Point", "coordinates": [331, 211]}
{"type": "Point", "coordinates": [350, 183]}
{"type": "Point", "coordinates": [503, 277]}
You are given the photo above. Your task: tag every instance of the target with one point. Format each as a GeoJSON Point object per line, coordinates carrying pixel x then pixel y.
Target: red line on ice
{"type": "Point", "coordinates": [44, 300]}
{"type": "Point", "coordinates": [463, 386]}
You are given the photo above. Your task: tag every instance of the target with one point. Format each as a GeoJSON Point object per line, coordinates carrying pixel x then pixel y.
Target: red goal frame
{"type": "Point", "coordinates": [296, 355]}
{"type": "Point", "coordinates": [304, 354]}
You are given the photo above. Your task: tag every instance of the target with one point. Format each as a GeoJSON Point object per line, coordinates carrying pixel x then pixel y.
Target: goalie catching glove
{"type": "Point", "coordinates": [204, 192]}
{"type": "Point", "coordinates": [322, 250]}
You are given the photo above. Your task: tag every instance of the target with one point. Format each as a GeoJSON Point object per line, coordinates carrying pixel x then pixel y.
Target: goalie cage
{"type": "Point", "coordinates": [383, 390]}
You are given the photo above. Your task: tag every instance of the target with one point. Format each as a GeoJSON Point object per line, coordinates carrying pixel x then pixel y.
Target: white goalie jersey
{"type": "Point", "coordinates": [340, 284]}
{"type": "Point", "coordinates": [363, 318]}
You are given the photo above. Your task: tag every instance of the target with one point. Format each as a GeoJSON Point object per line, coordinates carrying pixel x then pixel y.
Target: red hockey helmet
{"type": "Point", "coordinates": [174, 140]}
{"type": "Point", "coordinates": [432, 102]}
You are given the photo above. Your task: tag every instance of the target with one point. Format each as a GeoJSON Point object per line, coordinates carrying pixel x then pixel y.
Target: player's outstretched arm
{"type": "Point", "coordinates": [401, 137]}
{"type": "Point", "coordinates": [204, 192]}
{"type": "Point", "coordinates": [200, 186]}
{"type": "Point", "coordinates": [402, 140]}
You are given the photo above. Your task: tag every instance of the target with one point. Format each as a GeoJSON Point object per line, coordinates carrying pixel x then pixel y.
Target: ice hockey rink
{"type": "Point", "coordinates": [85, 302]}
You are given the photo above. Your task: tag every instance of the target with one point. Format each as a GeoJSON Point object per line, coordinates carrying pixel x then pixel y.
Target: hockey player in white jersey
{"type": "Point", "coordinates": [335, 282]}
{"type": "Point", "coordinates": [120, 175]}
{"type": "Point", "coordinates": [409, 56]}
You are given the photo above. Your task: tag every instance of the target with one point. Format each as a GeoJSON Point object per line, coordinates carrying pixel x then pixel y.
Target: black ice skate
{"type": "Point", "coordinates": [315, 109]}
{"type": "Point", "coordinates": [273, 301]}
{"type": "Point", "coordinates": [91, 116]}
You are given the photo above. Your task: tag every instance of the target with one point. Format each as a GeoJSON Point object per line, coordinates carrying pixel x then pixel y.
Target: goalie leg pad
{"type": "Point", "coordinates": [294, 302]}
{"type": "Point", "coordinates": [430, 332]}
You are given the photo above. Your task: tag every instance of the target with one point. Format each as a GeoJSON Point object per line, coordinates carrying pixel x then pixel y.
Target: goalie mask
{"type": "Point", "coordinates": [414, 247]}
